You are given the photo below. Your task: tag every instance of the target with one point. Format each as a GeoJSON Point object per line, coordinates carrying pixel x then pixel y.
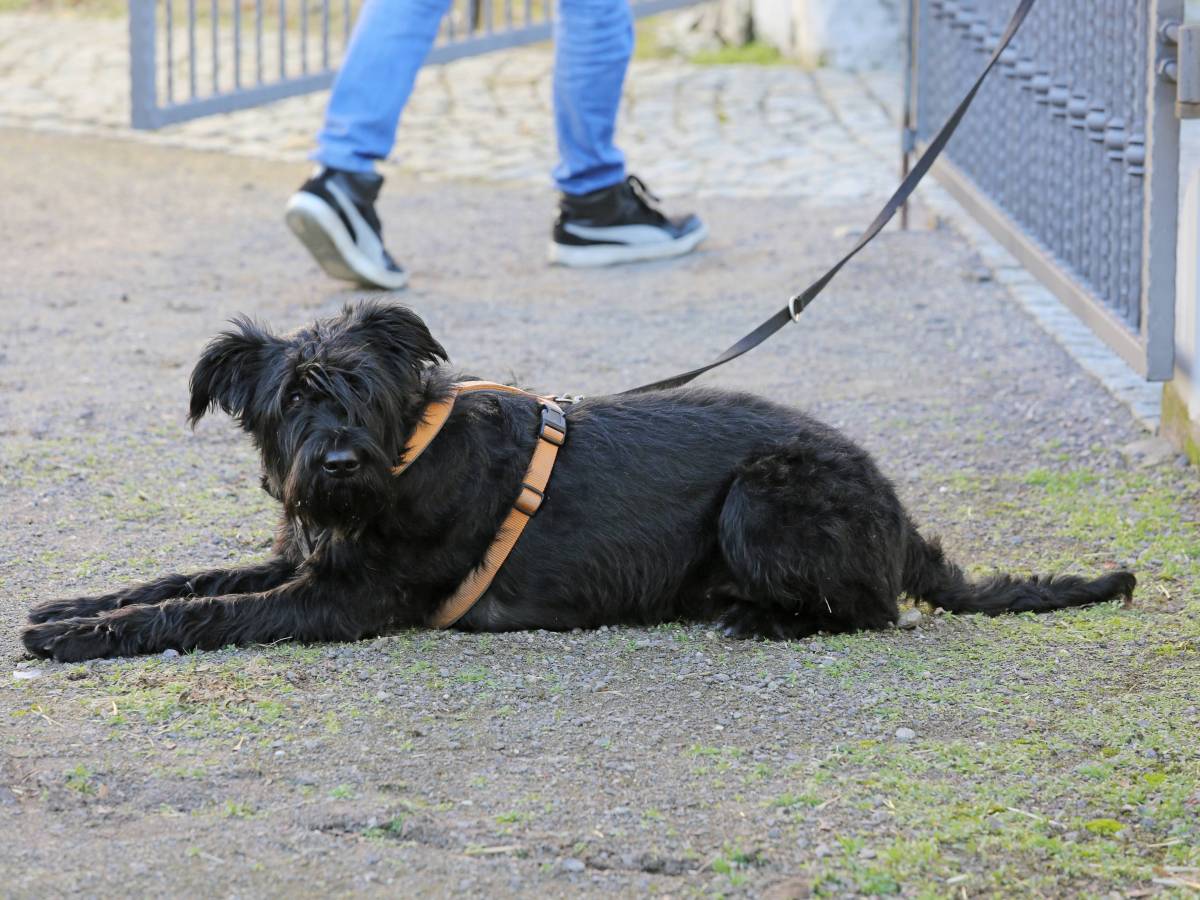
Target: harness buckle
{"type": "Point", "coordinates": [554, 426]}
{"type": "Point", "coordinates": [529, 501]}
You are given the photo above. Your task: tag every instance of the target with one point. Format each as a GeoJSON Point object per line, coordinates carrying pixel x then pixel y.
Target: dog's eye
{"type": "Point", "coordinates": [295, 399]}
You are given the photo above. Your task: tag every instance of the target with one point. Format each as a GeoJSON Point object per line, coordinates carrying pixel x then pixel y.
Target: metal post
{"type": "Point", "coordinates": [143, 70]}
{"type": "Point", "coordinates": [1161, 202]}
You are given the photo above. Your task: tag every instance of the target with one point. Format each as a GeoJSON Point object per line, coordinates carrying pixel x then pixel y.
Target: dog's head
{"type": "Point", "coordinates": [329, 406]}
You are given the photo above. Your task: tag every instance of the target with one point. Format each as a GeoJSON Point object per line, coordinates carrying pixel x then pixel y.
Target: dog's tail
{"type": "Point", "coordinates": [929, 576]}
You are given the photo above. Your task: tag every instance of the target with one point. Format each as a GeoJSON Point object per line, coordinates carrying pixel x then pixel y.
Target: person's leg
{"type": "Point", "coordinates": [604, 217]}
{"type": "Point", "coordinates": [333, 213]}
{"type": "Point", "coordinates": [390, 42]}
{"type": "Point", "coordinates": [593, 45]}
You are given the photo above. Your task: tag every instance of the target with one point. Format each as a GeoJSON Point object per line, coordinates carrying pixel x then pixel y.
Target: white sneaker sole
{"type": "Point", "coordinates": [596, 255]}
{"type": "Point", "coordinates": [326, 238]}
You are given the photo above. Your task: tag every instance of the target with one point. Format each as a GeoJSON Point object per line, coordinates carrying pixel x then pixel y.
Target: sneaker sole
{"type": "Point", "coordinates": [590, 256]}
{"type": "Point", "coordinates": [326, 238]}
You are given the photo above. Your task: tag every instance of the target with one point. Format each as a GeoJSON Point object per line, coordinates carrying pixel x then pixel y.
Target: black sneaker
{"type": "Point", "coordinates": [333, 214]}
{"type": "Point", "coordinates": [619, 224]}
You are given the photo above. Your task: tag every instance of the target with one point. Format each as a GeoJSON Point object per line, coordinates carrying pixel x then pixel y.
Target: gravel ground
{"type": "Point", "coordinates": [1025, 756]}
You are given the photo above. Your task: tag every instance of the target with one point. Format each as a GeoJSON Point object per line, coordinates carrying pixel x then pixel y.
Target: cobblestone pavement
{"type": "Point", "coordinates": [694, 130]}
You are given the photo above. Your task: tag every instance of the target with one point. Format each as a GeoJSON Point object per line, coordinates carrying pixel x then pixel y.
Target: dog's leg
{"type": "Point", "coordinates": [812, 536]}
{"type": "Point", "coordinates": [301, 610]}
{"type": "Point", "coordinates": [212, 583]}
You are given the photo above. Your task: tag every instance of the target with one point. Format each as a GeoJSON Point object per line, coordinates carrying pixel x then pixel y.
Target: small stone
{"type": "Point", "coordinates": [170, 653]}
{"type": "Point", "coordinates": [905, 734]}
{"type": "Point", "coordinates": [909, 619]}
{"type": "Point", "coordinates": [27, 674]}
{"type": "Point", "coordinates": [573, 865]}
{"type": "Point", "coordinates": [1148, 452]}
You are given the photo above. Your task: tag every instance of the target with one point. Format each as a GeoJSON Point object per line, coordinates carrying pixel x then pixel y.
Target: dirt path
{"type": "Point", "coordinates": [1050, 755]}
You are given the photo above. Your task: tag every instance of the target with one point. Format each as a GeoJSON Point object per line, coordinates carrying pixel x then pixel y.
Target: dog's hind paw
{"type": "Point", "coordinates": [71, 640]}
{"type": "Point", "coordinates": [748, 620]}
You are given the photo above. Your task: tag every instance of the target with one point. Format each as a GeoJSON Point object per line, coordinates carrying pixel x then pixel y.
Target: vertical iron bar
{"type": "Point", "coordinates": [528, 12]}
{"type": "Point", "coordinates": [191, 8]}
{"type": "Point", "coordinates": [324, 34]}
{"type": "Point", "coordinates": [282, 39]}
{"type": "Point", "coordinates": [345, 24]}
{"type": "Point", "coordinates": [258, 41]}
{"type": "Point", "coordinates": [237, 44]}
{"type": "Point", "coordinates": [170, 50]}
{"type": "Point", "coordinates": [143, 69]}
{"type": "Point", "coordinates": [215, 12]}
{"type": "Point", "coordinates": [304, 37]}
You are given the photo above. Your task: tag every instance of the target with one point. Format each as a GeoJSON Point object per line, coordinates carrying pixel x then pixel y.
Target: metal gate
{"type": "Point", "coordinates": [1070, 154]}
{"type": "Point", "coordinates": [193, 58]}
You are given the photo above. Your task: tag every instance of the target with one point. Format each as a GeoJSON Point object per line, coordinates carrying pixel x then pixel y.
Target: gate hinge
{"type": "Point", "coordinates": [1184, 68]}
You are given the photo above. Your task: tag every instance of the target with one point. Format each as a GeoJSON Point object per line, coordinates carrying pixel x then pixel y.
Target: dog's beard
{"type": "Point", "coordinates": [312, 495]}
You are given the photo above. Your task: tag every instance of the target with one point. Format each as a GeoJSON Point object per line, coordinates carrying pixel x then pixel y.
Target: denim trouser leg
{"type": "Point", "coordinates": [593, 43]}
{"type": "Point", "coordinates": [391, 40]}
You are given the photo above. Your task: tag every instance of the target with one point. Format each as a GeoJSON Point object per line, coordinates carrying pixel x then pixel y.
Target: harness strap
{"type": "Point", "coordinates": [551, 435]}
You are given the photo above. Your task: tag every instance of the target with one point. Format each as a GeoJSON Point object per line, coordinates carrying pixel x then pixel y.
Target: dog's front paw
{"type": "Point", "coordinates": [72, 640]}
{"type": "Point", "coordinates": [74, 608]}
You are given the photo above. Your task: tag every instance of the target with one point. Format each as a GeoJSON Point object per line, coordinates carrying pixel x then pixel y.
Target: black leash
{"type": "Point", "coordinates": [797, 304]}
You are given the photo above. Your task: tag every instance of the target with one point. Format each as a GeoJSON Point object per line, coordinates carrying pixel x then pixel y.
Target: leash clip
{"type": "Point", "coordinates": [793, 310]}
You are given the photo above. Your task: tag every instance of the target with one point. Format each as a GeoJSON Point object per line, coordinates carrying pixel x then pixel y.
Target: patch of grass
{"type": "Point", "coordinates": [733, 863]}
{"type": "Point", "coordinates": [194, 701]}
{"type": "Point", "coordinates": [512, 818]}
{"type": "Point", "coordinates": [391, 829]}
{"type": "Point", "coordinates": [342, 792]}
{"type": "Point", "coordinates": [790, 800]}
{"type": "Point", "coordinates": [754, 53]}
{"type": "Point", "coordinates": [80, 780]}
{"type": "Point", "coordinates": [237, 810]}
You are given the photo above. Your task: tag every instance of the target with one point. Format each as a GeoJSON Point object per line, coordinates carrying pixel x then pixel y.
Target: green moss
{"type": "Point", "coordinates": [1178, 425]}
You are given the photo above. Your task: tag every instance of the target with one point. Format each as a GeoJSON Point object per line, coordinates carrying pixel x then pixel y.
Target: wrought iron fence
{"type": "Point", "coordinates": [192, 58]}
{"type": "Point", "coordinates": [1070, 154]}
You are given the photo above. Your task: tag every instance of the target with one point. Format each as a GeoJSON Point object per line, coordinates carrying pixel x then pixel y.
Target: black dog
{"type": "Point", "coordinates": [683, 504]}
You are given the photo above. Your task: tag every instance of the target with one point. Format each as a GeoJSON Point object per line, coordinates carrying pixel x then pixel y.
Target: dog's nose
{"type": "Point", "coordinates": [339, 463]}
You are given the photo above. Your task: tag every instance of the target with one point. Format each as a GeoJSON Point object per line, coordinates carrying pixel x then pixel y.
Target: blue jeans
{"type": "Point", "coordinates": [593, 43]}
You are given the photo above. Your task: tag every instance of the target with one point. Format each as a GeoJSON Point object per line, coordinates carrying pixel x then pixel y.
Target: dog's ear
{"type": "Point", "coordinates": [231, 369]}
{"type": "Point", "coordinates": [397, 333]}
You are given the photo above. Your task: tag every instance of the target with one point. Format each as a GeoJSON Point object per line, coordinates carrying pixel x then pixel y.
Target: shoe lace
{"type": "Point", "coordinates": [644, 195]}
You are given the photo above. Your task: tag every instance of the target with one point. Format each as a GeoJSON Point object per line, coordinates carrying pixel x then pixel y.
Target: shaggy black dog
{"type": "Point", "coordinates": [682, 504]}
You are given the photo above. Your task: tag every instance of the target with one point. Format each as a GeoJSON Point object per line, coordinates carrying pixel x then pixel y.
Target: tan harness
{"type": "Point", "coordinates": [551, 435]}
